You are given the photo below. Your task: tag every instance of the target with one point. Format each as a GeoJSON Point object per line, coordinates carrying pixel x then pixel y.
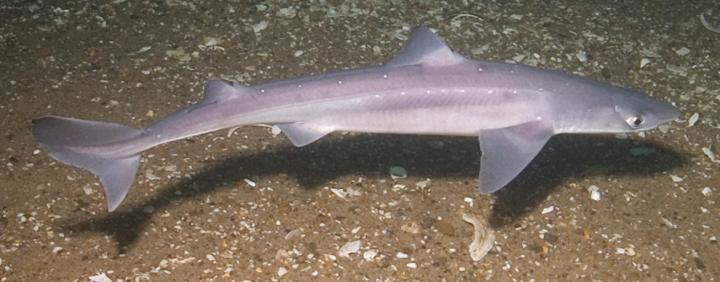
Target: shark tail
{"type": "Point", "coordinates": [65, 138]}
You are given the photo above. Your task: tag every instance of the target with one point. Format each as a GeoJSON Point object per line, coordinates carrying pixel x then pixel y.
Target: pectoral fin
{"type": "Point", "coordinates": [507, 151]}
{"type": "Point", "coordinates": [301, 134]}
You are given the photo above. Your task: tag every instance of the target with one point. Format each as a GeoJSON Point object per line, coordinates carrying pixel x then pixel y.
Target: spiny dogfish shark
{"type": "Point", "coordinates": [427, 89]}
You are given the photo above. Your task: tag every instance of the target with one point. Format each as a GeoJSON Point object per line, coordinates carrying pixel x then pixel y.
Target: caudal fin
{"type": "Point", "coordinates": [64, 138]}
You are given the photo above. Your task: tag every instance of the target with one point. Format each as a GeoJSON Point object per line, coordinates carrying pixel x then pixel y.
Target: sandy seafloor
{"type": "Point", "coordinates": [193, 215]}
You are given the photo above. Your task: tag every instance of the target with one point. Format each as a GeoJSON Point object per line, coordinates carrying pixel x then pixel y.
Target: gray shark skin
{"type": "Point", "coordinates": [427, 89]}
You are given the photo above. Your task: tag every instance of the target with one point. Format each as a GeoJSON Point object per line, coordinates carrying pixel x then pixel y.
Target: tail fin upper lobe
{"type": "Point", "coordinates": [64, 139]}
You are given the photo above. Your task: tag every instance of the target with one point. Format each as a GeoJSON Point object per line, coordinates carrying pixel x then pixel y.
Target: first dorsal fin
{"type": "Point", "coordinates": [425, 47]}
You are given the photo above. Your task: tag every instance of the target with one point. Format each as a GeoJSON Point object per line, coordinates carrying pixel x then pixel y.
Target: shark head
{"type": "Point", "coordinates": [595, 107]}
{"type": "Point", "coordinates": [641, 112]}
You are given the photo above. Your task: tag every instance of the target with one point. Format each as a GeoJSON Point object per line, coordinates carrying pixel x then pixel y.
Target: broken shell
{"type": "Point", "coordinates": [483, 238]}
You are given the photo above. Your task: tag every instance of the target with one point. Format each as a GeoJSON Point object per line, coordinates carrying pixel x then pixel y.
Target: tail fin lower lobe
{"type": "Point", "coordinates": [64, 138]}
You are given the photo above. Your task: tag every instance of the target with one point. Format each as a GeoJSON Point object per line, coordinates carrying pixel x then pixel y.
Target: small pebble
{"type": "Point", "coordinates": [287, 13]}
{"type": "Point", "coordinates": [706, 191]}
{"type": "Point", "coordinates": [369, 255]}
{"type": "Point", "coordinates": [676, 178]}
{"type": "Point", "coordinates": [469, 201]}
{"type": "Point", "coordinates": [397, 172]}
{"type": "Point", "coordinates": [401, 255]}
{"type": "Point", "coordinates": [620, 251]}
{"type": "Point", "coordinates": [412, 265]}
{"type": "Point", "coordinates": [88, 189]}
{"type": "Point", "coordinates": [682, 51]}
{"type": "Point", "coordinates": [423, 184]}
{"type": "Point", "coordinates": [594, 193]}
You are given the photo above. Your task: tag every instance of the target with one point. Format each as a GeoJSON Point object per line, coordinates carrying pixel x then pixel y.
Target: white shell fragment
{"type": "Point", "coordinates": [706, 191]}
{"type": "Point", "coordinates": [423, 184]}
{"type": "Point", "coordinates": [548, 210]}
{"type": "Point", "coordinates": [211, 43]}
{"type": "Point", "coordinates": [282, 271]}
{"type": "Point", "coordinates": [581, 56]}
{"type": "Point", "coordinates": [682, 51]}
{"type": "Point", "coordinates": [644, 62]}
{"type": "Point", "coordinates": [275, 130]}
{"type": "Point", "coordinates": [349, 248]}
{"type": "Point", "coordinates": [262, 25]}
{"type": "Point", "coordinates": [594, 193]}
{"type": "Point", "coordinates": [693, 119]}
{"type": "Point", "coordinates": [102, 277]}
{"type": "Point", "coordinates": [676, 178]}
{"type": "Point", "coordinates": [249, 182]}
{"type": "Point", "coordinates": [710, 154]}
{"type": "Point", "coordinates": [483, 238]}
{"type": "Point", "coordinates": [178, 54]}
{"type": "Point", "coordinates": [369, 255]}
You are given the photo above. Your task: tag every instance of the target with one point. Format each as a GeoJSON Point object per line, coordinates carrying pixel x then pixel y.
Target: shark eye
{"type": "Point", "coordinates": [635, 121]}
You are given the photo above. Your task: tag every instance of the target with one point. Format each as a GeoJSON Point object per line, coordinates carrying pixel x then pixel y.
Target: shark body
{"type": "Point", "coordinates": [427, 89]}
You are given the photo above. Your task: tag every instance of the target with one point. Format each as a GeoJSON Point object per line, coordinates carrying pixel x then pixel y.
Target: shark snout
{"type": "Point", "coordinates": [666, 112]}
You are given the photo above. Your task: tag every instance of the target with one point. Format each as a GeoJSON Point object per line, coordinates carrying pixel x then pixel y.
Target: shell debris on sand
{"type": "Point", "coordinates": [710, 154]}
{"type": "Point", "coordinates": [483, 237]}
{"type": "Point", "coordinates": [101, 277]}
{"type": "Point", "coordinates": [349, 248]}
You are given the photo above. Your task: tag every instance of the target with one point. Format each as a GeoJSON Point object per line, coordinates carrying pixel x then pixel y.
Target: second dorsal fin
{"type": "Point", "coordinates": [218, 91]}
{"type": "Point", "coordinates": [425, 47]}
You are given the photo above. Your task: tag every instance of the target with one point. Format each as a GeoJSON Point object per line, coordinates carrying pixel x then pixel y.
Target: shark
{"type": "Point", "coordinates": [427, 89]}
